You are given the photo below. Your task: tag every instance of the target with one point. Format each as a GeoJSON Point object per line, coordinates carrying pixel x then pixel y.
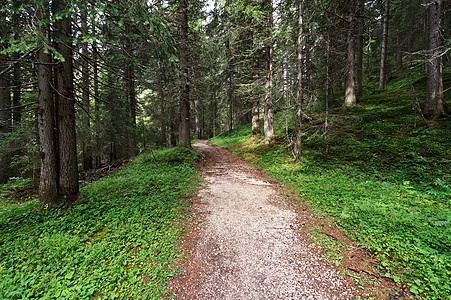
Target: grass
{"type": "Point", "coordinates": [385, 181]}
{"type": "Point", "coordinates": [118, 241]}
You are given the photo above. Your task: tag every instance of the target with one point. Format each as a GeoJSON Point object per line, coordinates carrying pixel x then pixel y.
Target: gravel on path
{"type": "Point", "coordinates": [247, 247]}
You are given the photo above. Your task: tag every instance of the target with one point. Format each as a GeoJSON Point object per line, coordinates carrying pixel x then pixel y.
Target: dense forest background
{"type": "Point", "coordinates": [350, 98]}
{"type": "Point", "coordinates": [95, 81]}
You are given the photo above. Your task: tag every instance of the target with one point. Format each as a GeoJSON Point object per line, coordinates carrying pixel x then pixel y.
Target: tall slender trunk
{"type": "Point", "coordinates": [5, 86]}
{"type": "Point", "coordinates": [48, 183]}
{"type": "Point", "coordinates": [229, 85]}
{"type": "Point", "coordinates": [173, 125]}
{"type": "Point", "coordinates": [197, 117]}
{"type": "Point", "coordinates": [17, 82]}
{"type": "Point", "coordinates": [184, 130]}
{"type": "Point", "coordinates": [350, 94]}
{"type": "Point", "coordinates": [5, 97]}
{"type": "Point", "coordinates": [86, 140]}
{"type": "Point", "coordinates": [67, 151]}
{"type": "Point", "coordinates": [434, 106]}
{"type": "Point", "coordinates": [398, 55]}
{"type": "Point", "coordinates": [132, 103]}
{"type": "Point", "coordinates": [268, 121]}
{"type": "Point", "coordinates": [368, 57]}
{"type": "Point", "coordinates": [95, 70]}
{"type": "Point", "coordinates": [299, 91]}
{"type": "Point", "coordinates": [214, 114]}
{"type": "Point", "coordinates": [256, 93]}
{"type": "Point", "coordinates": [161, 95]}
{"type": "Point", "coordinates": [382, 75]}
{"type": "Point", "coordinates": [307, 67]}
{"type": "Point", "coordinates": [361, 31]}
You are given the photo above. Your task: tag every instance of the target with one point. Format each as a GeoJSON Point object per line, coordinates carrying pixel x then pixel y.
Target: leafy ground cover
{"type": "Point", "coordinates": [116, 242]}
{"type": "Point", "coordinates": [384, 180]}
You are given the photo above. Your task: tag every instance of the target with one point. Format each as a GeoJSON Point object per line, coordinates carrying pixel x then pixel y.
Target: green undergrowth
{"type": "Point", "coordinates": [384, 180]}
{"type": "Point", "coordinates": [117, 241]}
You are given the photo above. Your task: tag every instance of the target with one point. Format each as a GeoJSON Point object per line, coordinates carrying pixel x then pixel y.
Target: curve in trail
{"type": "Point", "coordinates": [248, 247]}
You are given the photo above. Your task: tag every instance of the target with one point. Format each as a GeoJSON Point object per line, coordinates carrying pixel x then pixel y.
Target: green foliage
{"type": "Point", "coordinates": [116, 242]}
{"type": "Point", "coordinates": [385, 181]}
{"type": "Point", "coordinates": [19, 149]}
{"type": "Point", "coordinates": [18, 190]}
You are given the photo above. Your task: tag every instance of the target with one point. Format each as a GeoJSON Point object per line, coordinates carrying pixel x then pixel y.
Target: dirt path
{"type": "Point", "coordinates": [247, 246]}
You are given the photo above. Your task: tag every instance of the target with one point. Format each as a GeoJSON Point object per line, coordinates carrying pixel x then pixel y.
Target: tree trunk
{"type": "Point", "coordinates": [17, 111]}
{"type": "Point", "coordinates": [382, 76]}
{"type": "Point", "coordinates": [214, 114]}
{"type": "Point", "coordinates": [350, 96]}
{"type": "Point", "coordinates": [361, 31]}
{"type": "Point", "coordinates": [398, 55]}
{"type": "Point", "coordinates": [184, 131]}
{"type": "Point", "coordinates": [98, 153]}
{"type": "Point", "coordinates": [86, 140]}
{"type": "Point", "coordinates": [68, 173]}
{"type": "Point", "coordinates": [307, 66]}
{"type": "Point", "coordinates": [299, 92]}
{"type": "Point", "coordinates": [48, 183]}
{"type": "Point", "coordinates": [229, 86]}
{"type": "Point", "coordinates": [5, 97]}
{"type": "Point", "coordinates": [17, 82]}
{"type": "Point", "coordinates": [434, 106]}
{"type": "Point", "coordinates": [268, 122]}
{"type": "Point", "coordinates": [256, 116]}
{"type": "Point", "coordinates": [131, 97]}
{"type": "Point", "coordinates": [173, 125]}
{"type": "Point", "coordinates": [197, 118]}
{"type": "Point", "coordinates": [161, 95]}
{"type": "Point", "coordinates": [256, 94]}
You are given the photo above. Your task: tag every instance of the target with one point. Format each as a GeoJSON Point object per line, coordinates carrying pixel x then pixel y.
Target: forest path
{"type": "Point", "coordinates": [246, 246]}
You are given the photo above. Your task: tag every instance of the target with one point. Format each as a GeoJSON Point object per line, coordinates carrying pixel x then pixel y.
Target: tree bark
{"type": "Point", "coordinates": [95, 70]}
{"type": "Point", "coordinates": [350, 94]}
{"type": "Point", "coordinates": [197, 115]}
{"type": "Point", "coordinates": [214, 114]}
{"type": "Point", "coordinates": [5, 97]}
{"type": "Point", "coordinates": [17, 110]}
{"type": "Point", "coordinates": [361, 30]}
{"type": "Point", "coordinates": [398, 55]}
{"type": "Point", "coordinates": [184, 129]}
{"type": "Point", "coordinates": [256, 94]}
{"type": "Point", "coordinates": [163, 139]}
{"type": "Point", "coordinates": [86, 140]}
{"type": "Point", "coordinates": [256, 116]}
{"type": "Point", "coordinates": [229, 85]}
{"type": "Point", "coordinates": [382, 75]}
{"type": "Point", "coordinates": [268, 121]}
{"type": "Point", "coordinates": [48, 183]}
{"type": "Point", "coordinates": [17, 81]}
{"type": "Point", "coordinates": [173, 125]}
{"type": "Point", "coordinates": [132, 103]}
{"type": "Point", "coordinates": [434, 106]}
{"type": "Point", "coordinates": [68, 173]}
{"type": "Point", "coordinates": [299, 91]}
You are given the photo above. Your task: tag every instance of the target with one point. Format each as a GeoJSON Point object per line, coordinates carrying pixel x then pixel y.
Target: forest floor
{"type": "Point", "coordinates": [248, 240]}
